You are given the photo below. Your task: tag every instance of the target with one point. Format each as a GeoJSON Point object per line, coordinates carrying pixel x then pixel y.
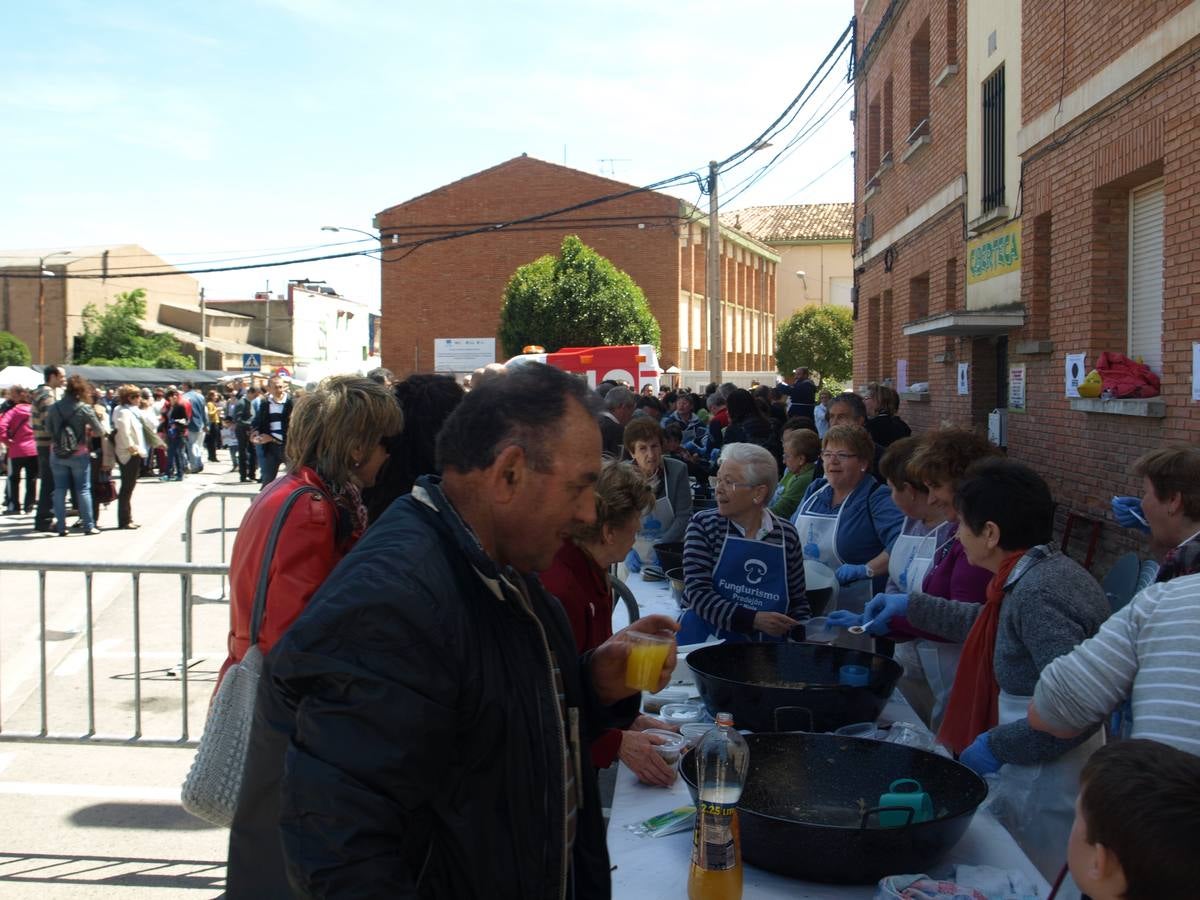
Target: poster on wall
{"type": "Point", "coordinates": [1196, 371]}
{"type": "Point", "coordinates": [452, 355]}
{"type": "Point", "coordinates": [901, 375]}
{"type": "Point", "coordinates": [964, 378]}
{"type": "Point", "coordinates": [1076, 371]}
{"type": "Point", "coordinates": [1016, 387]}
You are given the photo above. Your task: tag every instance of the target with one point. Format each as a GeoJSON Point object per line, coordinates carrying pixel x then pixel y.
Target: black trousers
{"type": "Point", "coordinates": [247, 457]}
{"type": "Point", "coordinates": [272, 458]}
{"type": "Point", "coordinates": [43, 519]}
{"type": "Point", "coordinates": [129, 476]}
{"type": "Point", "coordinates": [17, 465]}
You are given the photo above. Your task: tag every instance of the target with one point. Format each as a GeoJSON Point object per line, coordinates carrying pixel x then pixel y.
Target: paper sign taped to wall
{"type": "Point", "coordinates": [1196, 371]}
{"type": "Point", "coordinates": [1075, 373]}
{"type": "Point", "coordinates": [964, 378]}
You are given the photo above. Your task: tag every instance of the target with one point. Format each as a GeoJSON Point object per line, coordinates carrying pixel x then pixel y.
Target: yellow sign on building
{"type": "Point", "coordinates": [995, 253]}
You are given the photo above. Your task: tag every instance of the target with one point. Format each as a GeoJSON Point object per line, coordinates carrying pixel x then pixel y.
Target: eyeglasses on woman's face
{"type": "Point", "coordinates": [724, 481]}
{"type": "Point", "coordinates": [839, 455]}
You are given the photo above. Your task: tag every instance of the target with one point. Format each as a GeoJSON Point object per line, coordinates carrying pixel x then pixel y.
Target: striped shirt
{"type": "Point", "coordinates": [1149, 651]}
{"type": "Point", "coordinates": [706, 534]}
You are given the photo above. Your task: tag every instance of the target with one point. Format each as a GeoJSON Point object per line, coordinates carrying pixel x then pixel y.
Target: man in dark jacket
{"type": "Point", "coordinates": [421, 730]}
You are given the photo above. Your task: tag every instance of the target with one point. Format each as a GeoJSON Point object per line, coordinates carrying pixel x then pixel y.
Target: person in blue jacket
{"type": "Point", "coordinates": [847, 520]}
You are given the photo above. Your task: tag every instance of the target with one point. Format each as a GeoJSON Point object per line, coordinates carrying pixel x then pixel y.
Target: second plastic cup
{"type": "Point", "coordinates": [647, 656]}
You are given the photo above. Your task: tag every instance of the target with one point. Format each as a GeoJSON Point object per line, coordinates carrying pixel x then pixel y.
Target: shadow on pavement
{"type": "Point", "coordinates": [118, 871]}
{"type": "Point", "coordinates": [157, 816]}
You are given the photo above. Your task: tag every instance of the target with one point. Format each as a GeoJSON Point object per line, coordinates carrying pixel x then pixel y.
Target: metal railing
{"type": "Point", "coordinates": [189, 545]}
{"type": "Point", "coordinates": [185, 572]}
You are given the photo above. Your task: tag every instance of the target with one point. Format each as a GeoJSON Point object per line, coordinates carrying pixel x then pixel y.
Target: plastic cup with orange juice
{"type": "Point", "coordinates": [647, 656]}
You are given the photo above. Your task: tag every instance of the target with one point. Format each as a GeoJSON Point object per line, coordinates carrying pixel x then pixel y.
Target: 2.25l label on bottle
{"type": "Point", "coordinates": [712, 841]}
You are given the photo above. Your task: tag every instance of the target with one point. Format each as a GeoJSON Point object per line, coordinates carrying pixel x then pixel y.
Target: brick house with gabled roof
{"type": "Point", "coordinates": [815, 243]}
{"type": "Point", "coordinates": [454, 288]}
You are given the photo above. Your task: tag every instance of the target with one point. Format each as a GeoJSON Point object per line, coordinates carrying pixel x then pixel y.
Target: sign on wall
{"type": "Point", "coordinates": [901, 375]}
{"type": "Point", "coordinates": [1016, 387]}
{"type": "Point", "coordinates": [462, 354]}
{"type": "Point", "coordinates": [1076, 371]}
{"type": "Point", "coordinates": [964, 378]}
{"type": "Point", "coordinates": [995, 253]}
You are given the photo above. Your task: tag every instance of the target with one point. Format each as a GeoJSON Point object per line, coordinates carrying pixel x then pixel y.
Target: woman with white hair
{"type": "Point", "coordinates": [743, 566]}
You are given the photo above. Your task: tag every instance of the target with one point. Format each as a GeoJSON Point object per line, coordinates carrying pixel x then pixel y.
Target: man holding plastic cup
{"type": "Point", "coordinates": [423, 724]}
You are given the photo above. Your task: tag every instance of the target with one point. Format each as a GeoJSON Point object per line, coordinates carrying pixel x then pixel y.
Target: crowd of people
{"type": "Point", "coordinates": [67, 444]}
{"type": "Point", "coordinates": [443, 680]}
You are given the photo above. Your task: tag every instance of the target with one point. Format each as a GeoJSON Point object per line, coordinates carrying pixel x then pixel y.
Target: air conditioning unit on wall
{"type": "Point", "coordinates": [866, 229]}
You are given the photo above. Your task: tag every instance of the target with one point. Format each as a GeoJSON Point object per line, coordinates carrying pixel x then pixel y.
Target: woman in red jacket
{"type": "Point", "coordinates": [336, 443]}
{"type": "Point", "coordinates": [579, 579]}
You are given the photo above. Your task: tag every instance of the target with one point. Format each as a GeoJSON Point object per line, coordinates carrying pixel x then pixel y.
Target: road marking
{"type": "Point", "coordinates": [90, 791]}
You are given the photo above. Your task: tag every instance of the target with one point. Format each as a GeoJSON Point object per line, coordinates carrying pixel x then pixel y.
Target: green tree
{"type": "Point", "coordinates": [819, 337]}
{"type": "Point", "coordinates": [13, 350]}
{"type": "Point", "coordinates": [113, 336]}
{"type": "Point", "coordinates": [575, 299]}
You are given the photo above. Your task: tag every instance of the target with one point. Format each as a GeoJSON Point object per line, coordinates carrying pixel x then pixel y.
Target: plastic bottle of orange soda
{"type": "Point", "coordinates": [722, 760]}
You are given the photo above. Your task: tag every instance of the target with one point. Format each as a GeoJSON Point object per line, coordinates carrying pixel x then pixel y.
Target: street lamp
{"type": "Point", "coordinates": [373, 237]}
{"type": "Point", "coordinates": [42, 272]}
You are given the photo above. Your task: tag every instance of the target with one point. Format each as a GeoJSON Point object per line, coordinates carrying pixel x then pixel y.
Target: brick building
{"type": "Point", "coordinates": [1025, 177]}
{"type": "Point", "coordinates": [454, 288]}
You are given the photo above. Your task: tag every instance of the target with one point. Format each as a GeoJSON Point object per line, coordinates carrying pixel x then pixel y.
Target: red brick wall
{"type": "Point", "coordinates": [1092, 34]}
{"type": "Point", "coordinates": [1074, 210]}
{"type": "Point", "coordinates": [454, 288]}
{"type": "Point", "coordinates": [1077, 204]}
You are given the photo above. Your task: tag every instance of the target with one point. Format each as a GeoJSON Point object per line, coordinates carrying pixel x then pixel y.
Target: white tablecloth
{"type": "Point", "coordinates": [657, 868]}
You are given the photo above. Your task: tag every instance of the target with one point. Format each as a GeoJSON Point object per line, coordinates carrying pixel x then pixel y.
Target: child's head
{"type": "Point", "coordinates": [672, 437]}
{"type": "Point", "coordinates": [1137, 823]}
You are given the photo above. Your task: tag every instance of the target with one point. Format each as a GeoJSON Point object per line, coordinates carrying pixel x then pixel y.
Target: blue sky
{"type": "Point", "coordinates": [208, 131]}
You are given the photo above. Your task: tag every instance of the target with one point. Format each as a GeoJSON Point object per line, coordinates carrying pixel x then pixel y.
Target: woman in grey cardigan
{"type": "Point", "coordinates": [668, 520]}
{"type": "Point", "coordinates": [1040, 605]}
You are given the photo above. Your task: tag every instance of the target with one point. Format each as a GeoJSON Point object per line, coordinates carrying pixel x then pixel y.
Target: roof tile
{"type": "Point", "coordinates": [795, 222]}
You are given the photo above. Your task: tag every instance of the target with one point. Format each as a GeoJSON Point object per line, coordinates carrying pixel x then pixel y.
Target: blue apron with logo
{"type": "Point", "coordinates": [752, 574]}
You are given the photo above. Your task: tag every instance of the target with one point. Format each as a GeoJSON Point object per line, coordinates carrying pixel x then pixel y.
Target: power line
{"type": "Point", "coordinates": [793, 109]}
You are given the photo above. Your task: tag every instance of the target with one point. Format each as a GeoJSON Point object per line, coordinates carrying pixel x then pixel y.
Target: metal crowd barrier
{"type": "Point", "coordinates": [186, 572]}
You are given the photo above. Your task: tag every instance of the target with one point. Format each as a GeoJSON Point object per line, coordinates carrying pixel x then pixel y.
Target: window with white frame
{"type": "Point", "coordinates": [1146, 274]}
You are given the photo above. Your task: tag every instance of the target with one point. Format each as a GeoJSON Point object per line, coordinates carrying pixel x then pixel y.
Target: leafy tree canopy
{"type": "Point", "coordinates": [820, 337]}
{"type": "Point", "coordinates": [576, 299]}
{"type": "Point", "coordinates": [13, 350]}
{"type": "Point", "coordinates": [113, 336]}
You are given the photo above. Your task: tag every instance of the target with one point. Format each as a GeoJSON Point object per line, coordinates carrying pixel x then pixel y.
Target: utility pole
{"type": "Point", "coordinates": [712, 288]}
{"type": "Point", "coordinates": [203, 356]}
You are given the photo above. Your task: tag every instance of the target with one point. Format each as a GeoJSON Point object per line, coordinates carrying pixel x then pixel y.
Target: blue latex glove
{"type": "Point", "coordinates": [633, 562]}
{"type": "Point", "coordinates": [843, 618]}
{"type": "Point", "coordinates": [880, 610]}
{"type": "Point", "coordinates": [979, 756]}
{"type": "Point", "coordinates": [1128, 513]}
{"type": "Point", "coordinates": [848, 572]}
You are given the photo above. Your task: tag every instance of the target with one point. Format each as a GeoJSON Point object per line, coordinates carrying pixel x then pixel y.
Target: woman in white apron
{"type": "Point", "coordinates": [667, 521]}
{"type": "Point", "coordinates": [1040, 604]}
{"type": "Point", "coordinates": [847, 521]}
{"type": "Point", "coordinates": [743, 567]}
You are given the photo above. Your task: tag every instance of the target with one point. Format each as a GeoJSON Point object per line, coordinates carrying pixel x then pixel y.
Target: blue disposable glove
{"type": "Point", "coordinates": [633, 562]}
{"type": "Point", "coordinates": [843, 618]}
{"type": "Point", "coordinates": [880, 610]}
{"type": "Point", "coordinates": [1128, 513]}
{"type": "Point", "coordinates": [848, 572]}
{"type": "Point", "coordinates": [979, 756]}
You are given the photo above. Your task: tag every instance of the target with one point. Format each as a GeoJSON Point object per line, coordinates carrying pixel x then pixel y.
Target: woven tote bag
{"type": "Point", "coordinates": [214, 781]}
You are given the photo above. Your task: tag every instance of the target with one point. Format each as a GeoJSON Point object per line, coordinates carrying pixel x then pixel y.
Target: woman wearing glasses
{"type": "Point", "coordinates": [743, 568]}
{"type": "Point", "coordinates": [847, 520]}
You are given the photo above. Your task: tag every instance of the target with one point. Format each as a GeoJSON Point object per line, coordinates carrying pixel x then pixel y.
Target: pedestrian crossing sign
{"type": "Point", "coordinates": [251, 362]}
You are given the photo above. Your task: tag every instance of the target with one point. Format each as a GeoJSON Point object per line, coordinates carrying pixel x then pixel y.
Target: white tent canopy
{"type": "Point", "coordinates": [21, 376]}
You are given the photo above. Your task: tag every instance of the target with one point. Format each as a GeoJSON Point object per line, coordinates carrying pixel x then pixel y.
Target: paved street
{"type": "Point", "coordinates": [105, 821]}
